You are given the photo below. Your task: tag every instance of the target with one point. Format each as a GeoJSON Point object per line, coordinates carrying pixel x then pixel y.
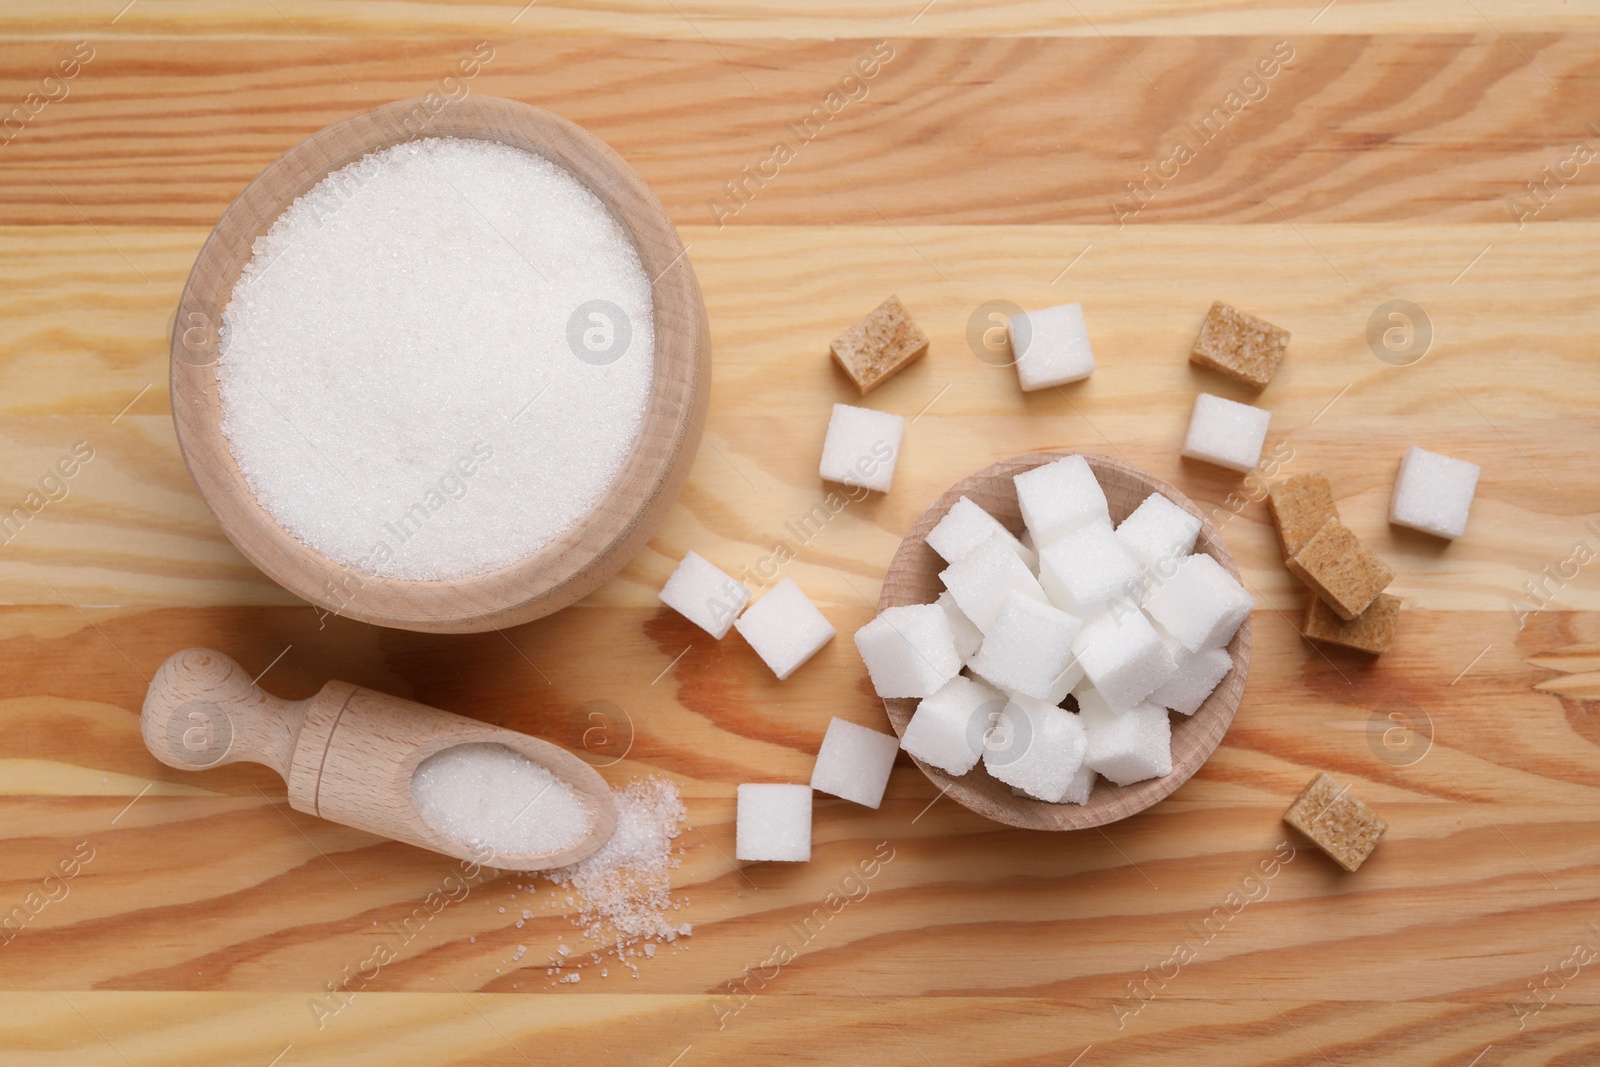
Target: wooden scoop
{"type": "Point", "coordinates": [347, 753]}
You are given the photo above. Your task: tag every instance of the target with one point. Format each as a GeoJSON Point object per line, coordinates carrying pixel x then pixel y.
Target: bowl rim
{"type": "Point", "coordinates": [1108, 803]}
{"type": "Point", "coordinates": [600, 542]}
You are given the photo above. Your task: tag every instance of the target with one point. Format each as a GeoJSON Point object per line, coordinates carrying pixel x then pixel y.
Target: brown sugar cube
{"type": "Point", "coordinates": [1371, 631]}
{"type": "Point", "coordinates": [1240, 345]}
{"type": "Point", "coordinates": [1340, 569]}
{"type": "Point", "coordinates": [1300, 505]}
{"type": "Point", "coordinates": [879, 345]}
{"type": "Point", "coordinates": [1337, 823]}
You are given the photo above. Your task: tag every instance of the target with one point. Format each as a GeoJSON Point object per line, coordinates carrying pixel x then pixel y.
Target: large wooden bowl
{"type": "Point", "coordinates": [914, 579]}
{"type": "Point", "coordinates": [603, 540]}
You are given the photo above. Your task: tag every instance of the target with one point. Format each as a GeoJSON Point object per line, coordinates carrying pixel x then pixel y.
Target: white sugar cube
{"type": "Point", "coordinates": [965, 526]}
{"type": "Point", "coordinates": [1065, 682]}
{"type": "Point", "coordinates": [909, 651]}
{"type": "Point", "coordinates": [1084, 569]}
{"type": "Point", "coordinates": [1059, 497]}
{"type": "Point", "coordinates": [854, 763]}
{"type": "Point", "coordinates": [1051, 346]}
{"type": "Point", "coordinates": [774, 822]}
{"type": "Point", "coordinates": [861, 447]}
{"type": "Point", "coordinates": [1077, 791]}
{"type": "Point", "coordinates": [1201, 605]}
{"type": "Point", "coordinates": [948, 727]}
{"type": "Point", "coordinates": [1127, 746]}
{"type": "Point", "coordinates": [1433, 493]}
{"type": "Point", "coordinates": [1029, 648]}
{"type": "Point", "coordinates": [980, 580]}
{"type": "Point", "coordinates": [784, 628]}
{"type": "Point", "coordinates": [1122, 655]}
{"type": "Point", "coordinates": [968, 637]}
{"type": "Point", "coordinates": [1036, 747]}
{"type": "Point", "coordinates": [1197, 675]}
{"type": "Point", "coordinates": [1081, 783]}
{"type": "Point", "coordinates": [1158, 534]}
{"type": "Point", "coordinates": [704, 595]}
{"type": "Point", "coordinates": [1226, 432]}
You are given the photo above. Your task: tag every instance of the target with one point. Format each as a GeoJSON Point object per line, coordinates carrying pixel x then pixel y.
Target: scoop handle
{"type": "Point", "coordinates": [203, 710]}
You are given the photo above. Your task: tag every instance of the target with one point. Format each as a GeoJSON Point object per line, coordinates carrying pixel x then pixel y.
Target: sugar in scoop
{"type": "Point", "coordinates": [493, 798]}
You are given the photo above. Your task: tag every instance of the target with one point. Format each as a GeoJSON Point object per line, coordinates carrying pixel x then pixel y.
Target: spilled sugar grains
{"type": "Point", "coordinates": [625, 887]}
{"type": "Point", "coordinates": [423, 372]}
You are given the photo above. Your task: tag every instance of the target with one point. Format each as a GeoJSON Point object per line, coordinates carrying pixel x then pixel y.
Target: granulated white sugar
{"type": "Point", "coordinates": [626, 886]}
{"type": "Point", "coordinates": [437, 360]}
{"type": "Point", "coordinates": [493, 798]}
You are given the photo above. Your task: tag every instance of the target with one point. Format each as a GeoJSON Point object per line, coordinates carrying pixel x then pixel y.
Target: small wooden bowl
{"type": "Point", "coordinates": [913, 578]}
{"type": "Point", "coordinates": [603, 540]}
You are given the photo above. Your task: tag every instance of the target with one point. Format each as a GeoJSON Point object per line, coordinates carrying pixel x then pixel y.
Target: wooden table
{"type": "Point", "coordinates": [987, 158]}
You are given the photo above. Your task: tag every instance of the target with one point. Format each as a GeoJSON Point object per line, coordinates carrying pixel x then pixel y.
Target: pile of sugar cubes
{"type": "Point", "coordinates": [1126, 620]}
{"type": "Point", "coordinates": [1347, 579]}
{"type": "Point", "coordinates": [1349, 607]}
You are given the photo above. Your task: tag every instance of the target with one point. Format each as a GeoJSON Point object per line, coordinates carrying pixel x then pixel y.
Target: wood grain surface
{"type": "Point", "coordinates": [1390, 159]}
